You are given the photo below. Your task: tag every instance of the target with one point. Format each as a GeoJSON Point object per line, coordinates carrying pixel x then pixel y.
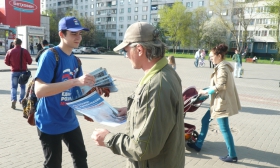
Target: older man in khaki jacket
{"type": "Point", "coordinates": [155, 126]}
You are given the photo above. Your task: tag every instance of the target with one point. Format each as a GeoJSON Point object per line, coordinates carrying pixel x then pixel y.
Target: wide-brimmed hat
{"type": "Point", "coordinates": [138, 32]}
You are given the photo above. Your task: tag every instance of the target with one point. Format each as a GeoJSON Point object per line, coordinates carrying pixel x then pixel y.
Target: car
{"type": "Point", "coordinates": [95, 51]}
{"type": "Point", "coordinates": [77, 51]}
{"type": "Point", "coordinates": [86, 50]}
{"type": "Point", "coordinates": [102, 49]}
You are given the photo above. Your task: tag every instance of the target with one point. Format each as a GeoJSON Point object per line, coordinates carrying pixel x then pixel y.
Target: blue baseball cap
{"type": "Point", "coordinates": [70, 23]}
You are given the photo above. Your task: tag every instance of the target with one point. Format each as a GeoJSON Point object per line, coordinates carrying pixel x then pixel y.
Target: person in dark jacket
{"type": "Point", "coordinates": [39, 47]}
{"type": "Point", "coordinates": [45, 45]}
{"type": "Point", "coordinates": [12, 59]}
{"type": "Point", "coordinates": [31, 48]}
{"type": "Point", "coordinates": [12, 45]}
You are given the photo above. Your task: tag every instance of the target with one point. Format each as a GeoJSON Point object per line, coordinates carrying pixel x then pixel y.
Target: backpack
{"type": "Point", "coordinates": [29, 102]}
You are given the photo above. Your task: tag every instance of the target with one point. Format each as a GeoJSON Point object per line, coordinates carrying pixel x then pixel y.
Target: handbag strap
{"type": "Point", "coordinates": [20, 59]}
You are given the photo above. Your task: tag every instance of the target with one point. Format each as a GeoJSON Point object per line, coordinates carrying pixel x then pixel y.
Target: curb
{"type": "Point", "coordinates": [8, 70]}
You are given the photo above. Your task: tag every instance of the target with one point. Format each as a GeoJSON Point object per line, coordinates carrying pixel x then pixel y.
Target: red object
{"type": "Point", "coordinates": [20, 13]}
{"type": "Point", "coordinates": [13, 59]}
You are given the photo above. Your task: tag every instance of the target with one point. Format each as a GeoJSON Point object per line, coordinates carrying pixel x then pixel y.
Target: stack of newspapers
{"type": "Point", "coordinates": [93, 105]}
{"type": "Point", "coordinates": [102, 79]}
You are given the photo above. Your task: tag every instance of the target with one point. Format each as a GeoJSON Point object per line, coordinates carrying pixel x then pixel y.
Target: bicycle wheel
{"type": "Point", "coordinates": [202, 64]}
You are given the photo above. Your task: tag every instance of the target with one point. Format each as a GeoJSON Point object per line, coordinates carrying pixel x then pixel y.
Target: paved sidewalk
{"type": "Point", "coordinates": [255, 129]}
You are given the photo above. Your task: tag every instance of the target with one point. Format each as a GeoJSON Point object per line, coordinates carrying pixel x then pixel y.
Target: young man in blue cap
{"type": "Point", "coordinates": [54, 119]}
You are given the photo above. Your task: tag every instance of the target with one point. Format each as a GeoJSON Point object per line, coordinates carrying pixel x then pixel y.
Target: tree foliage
{"type": "Point", "coordinates": [199, 18]}
{"type": "Point", "coordinates": [213, 33]}
{"type": "Point", "coordinates": [174, 22]}
{"type": "Point", "coordinates": [275, 12]}
{"type": "Point", "coordinates": [239, 20]}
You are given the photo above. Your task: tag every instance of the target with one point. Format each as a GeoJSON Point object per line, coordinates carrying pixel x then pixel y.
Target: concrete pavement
{"type": "Point", "coordinates": [255, 129]}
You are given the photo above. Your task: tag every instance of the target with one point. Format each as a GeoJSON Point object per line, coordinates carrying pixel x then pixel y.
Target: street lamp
{"type": "Point", "coordinates": [108, 16]}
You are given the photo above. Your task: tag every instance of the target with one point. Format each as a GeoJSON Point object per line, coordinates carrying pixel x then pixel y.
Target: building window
{"type": "Point", "coordinates": [200, 3]}
{"type": "Point", "coordinates": [91, 13]}
{"type": "Point", "coordinates": [233, 44]}
{"type": "Point", "coordinates": [264, 33]}
{"type": "Point", "coordinates": [260, 46]}
{"type": "Point", "coordinates": [273, 46]}
{"type": "Point", "coordinates": [145, 1]}
{"type": "Point", "coordinates": [128, 25]}
{"type": "Point", "coordinates": [189, 4]}
{"type": "Point", "coordinates": [120, 18]}
{"type": "Point", "coordinates": [272, 33]}
{"type": "Point", "coordinates": [128, 17]}
{"type": "Point", "coordinates": [136, 9]}
{"type": "Point", "coordinates": [129, 10]}
{"type": "Point", "coordinates": [121, 26]}
{"type": "Point", "coordinates": [224, 13]}
{"type": "Point", "coordinates": [145, 8]}
{"type": "Point", "coordinates": [122, 10]}
{"type": "Point", "coordinates": [136, 17]}
{"type": "Point", "coordinates": [144, 17]}
{"type": "Point", "coordinates": [136, 1]}
{"type": "Point", "coordinates": [129, 2]}
{"type": "Point", "coordinates": [120, 34]}
{"type": "Point", "coordinates": [121, 2]}
{"type": "Point", "coordinates": [92, 6]}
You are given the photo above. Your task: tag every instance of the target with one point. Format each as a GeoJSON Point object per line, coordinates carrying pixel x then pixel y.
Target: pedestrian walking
{"type": "Point", "coordinates": [224, 102]}
{"type": "Point", "coordinates": [55, 120]}
{"type": "Point", "coordinates": [12, 45]}
{"type": "Point", "coordinates": [17, 58]}
{"type": "Point", "coordinates": [45, 45]}
{"type": "Point", "coordinates": [155, 126]}
{"type": "Point", "coordinates": [197, 56]}
{"type": "Point", "coordinates": [31, 48]}
{"type": "Point", "coordinates": [238, 64]}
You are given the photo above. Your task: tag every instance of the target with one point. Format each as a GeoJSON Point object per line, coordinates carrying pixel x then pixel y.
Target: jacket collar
{"type": "Point", "coordinates": [157, 67]}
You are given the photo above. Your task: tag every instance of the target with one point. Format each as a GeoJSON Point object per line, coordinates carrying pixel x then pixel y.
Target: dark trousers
{"type": "Point", "coordinates": [211, 64]}
{"type": "Point", "coordinates": [52, 148]}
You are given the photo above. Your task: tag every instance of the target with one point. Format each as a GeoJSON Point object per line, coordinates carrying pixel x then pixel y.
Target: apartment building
{"type": "Point", "coordinates": [114, 16]}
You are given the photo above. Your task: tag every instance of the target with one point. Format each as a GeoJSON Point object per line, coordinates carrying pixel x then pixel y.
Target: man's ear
{"type": "Point", "coordinates": [140, 49]}
{"type": "Point", "coordinates": [61, 35]}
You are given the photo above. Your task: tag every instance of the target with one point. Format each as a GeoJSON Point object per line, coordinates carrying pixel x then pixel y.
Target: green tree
{"type": "Point", "coordinates": [172, 21]}
{"type": "Point", "coordinates": [54, 38]}
{"type": "Point", "coordinates": [235, 16]}
{"type": "Point", "coordinates": [199, 18]}
{"type": "Point", "coordinates": [275, 12]}
{"type": "Point", "coordinates": [213, 33]}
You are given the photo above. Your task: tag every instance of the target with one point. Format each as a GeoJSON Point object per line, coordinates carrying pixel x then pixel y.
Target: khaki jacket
{"type": "Point", "coordinates": [155, 124]}
{"type": "Point", "coordinates": [225, 101]}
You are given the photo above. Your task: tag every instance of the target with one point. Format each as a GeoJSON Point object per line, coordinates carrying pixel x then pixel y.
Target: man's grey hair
{"type": "Point", "coordinates": [154, 49]}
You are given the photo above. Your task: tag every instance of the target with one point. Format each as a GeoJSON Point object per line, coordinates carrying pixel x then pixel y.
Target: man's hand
{"type": "Point", "coordinates": [99, 135]}
{"type": "Point", "coordinates": [86, 79]}
{"type": "Point", "coordinates": [122, 111]}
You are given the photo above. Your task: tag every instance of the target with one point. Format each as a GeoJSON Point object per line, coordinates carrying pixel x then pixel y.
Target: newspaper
{"type": "Point", "coordinates": [102, 79]}
{"type": "Point", "coordinates": [95, 107]}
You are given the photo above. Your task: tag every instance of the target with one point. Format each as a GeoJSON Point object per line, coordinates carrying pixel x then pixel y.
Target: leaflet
{"type": "Point", "coordinates": [95, 107]}
{"type": "Point", "coordinates": [102, 79]}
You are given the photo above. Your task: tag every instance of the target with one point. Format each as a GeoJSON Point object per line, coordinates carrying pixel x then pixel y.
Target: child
{"type": "Point", "coordinates": [171, 62]}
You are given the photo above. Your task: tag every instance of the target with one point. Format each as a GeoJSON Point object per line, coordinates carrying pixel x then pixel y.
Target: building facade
{"type": "Point", "coordinates": [114, 16]}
